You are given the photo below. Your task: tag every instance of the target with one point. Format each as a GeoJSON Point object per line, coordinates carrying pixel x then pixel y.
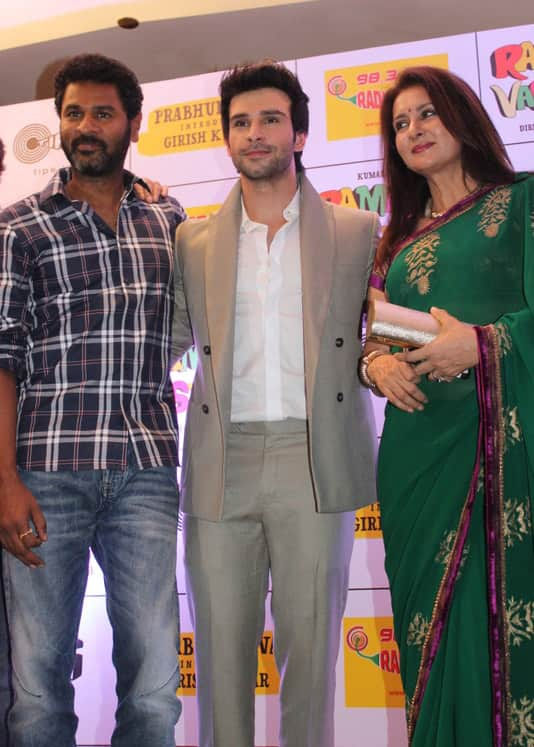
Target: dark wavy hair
{"type": "Point", "coordinates": [96, 68]}
{"type": "Point", "coordinates": [483, 155]}
{"type": "Point", "coordinates": [265, 74]}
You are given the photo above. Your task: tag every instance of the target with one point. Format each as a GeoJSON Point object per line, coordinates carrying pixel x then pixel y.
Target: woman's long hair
{"type": "Point", "coordinates": [483, 155]}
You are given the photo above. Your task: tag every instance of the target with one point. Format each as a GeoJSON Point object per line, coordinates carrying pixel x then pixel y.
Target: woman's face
{"type": "Point", "coordinates": [421, 138]}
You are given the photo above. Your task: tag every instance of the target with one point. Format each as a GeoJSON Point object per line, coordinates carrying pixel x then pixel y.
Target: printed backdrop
{"type": "Point", "coordinates": [181, 145]}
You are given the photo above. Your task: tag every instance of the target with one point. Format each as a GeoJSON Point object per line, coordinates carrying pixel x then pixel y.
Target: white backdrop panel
{"type": "Point", "coordinates": [201, 195]}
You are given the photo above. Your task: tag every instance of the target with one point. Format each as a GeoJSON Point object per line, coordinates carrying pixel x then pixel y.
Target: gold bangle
{"type": "Point", "coordinates": [363, 366]}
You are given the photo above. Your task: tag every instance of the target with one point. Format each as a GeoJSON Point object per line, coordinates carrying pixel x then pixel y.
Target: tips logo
{"type": "Point", "coordinates": [34, 142]}
{"type": "Point", "coordinates": [372, 673]}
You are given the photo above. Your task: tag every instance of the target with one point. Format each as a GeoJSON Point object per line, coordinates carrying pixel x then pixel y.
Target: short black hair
{"type": "Point", "coordinates": [265, 74]}
{"type": "Point", "coordinates": [2, 154]}
{"type": "Point", "coordinates": [96, 68]}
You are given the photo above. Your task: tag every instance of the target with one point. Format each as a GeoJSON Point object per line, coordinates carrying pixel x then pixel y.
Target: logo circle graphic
{"type": "Point", "coordinates": [32, 143]}
{"type": "Point", "coordinates": [337, 85]}
{"type": "Point", "coordinates": [357, 639]}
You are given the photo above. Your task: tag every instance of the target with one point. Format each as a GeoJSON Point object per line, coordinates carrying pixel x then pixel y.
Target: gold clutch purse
{"type": "Point", "coordinates": [390, 324]}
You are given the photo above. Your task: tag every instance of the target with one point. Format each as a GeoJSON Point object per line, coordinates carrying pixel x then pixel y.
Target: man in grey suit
{"type": "Point", "coordinates": [279, 442]}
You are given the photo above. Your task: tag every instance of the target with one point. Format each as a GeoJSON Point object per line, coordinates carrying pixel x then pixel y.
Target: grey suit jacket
{"type": "Point", "coordinates": [337, 251]}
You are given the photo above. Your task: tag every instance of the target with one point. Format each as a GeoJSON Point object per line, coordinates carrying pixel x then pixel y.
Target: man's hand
{"type": "Point", "coordinates": [22, 523]}
{"type": "Point", "coordinates": [153, 193]}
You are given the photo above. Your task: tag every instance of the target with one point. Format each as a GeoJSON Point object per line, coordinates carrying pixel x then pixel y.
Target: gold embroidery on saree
{"type": "Point", "coordinates": [512, 428]}
{"type": "Point", "coordinates": [417, 630]}
{"type": "Point", "coordinates": [414, 712]}
{"type": "Point", "coordinates": [522, 723]}
{"type": "Point", "coordinates": [421, 260]}
{"type": "Point", "coordinates": [520, 620]}
{"type": "Point", "coordinates": [516, 520]}
{"type": "Point", "coordinates": [446, 547]}
{"type": "Point", "coordinates": [504, 339]}
{"type": "Point", "coordinates": [494, 211]}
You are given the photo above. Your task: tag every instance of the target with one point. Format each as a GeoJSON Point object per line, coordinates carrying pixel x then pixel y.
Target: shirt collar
{"type": "Point", "coordinates": [55, 189]}
{"type": "Point", "coordinates": [291, 213]}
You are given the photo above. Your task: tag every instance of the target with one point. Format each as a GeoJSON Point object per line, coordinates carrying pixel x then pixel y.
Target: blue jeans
{"type": "Point", "coordinates": [5, 693]}
{"type": "Point", "coordinates": [129, 519]}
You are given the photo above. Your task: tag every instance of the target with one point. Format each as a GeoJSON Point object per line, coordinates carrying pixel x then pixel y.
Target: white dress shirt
{"type": "Point", "coordinates": [268, 372]}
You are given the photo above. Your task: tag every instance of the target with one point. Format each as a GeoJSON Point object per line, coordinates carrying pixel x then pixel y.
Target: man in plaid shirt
{"type": "Point", "coordinates": [5, 694]}
{"type": "Point", "coordinates": [88, 437]}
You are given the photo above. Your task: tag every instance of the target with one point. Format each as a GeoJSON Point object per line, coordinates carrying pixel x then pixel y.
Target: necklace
{"type": "Point", "coordinates": [429, 212]}
{"type": "Point", "coordinates": [429, 207]}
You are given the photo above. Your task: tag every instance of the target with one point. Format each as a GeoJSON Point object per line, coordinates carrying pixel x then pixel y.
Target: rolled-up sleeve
{"type": "Point", "coordinates": [14, 294]}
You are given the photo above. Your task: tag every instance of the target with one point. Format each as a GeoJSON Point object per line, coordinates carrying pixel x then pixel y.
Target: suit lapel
{"type": "Point", "coordinates": [220, 272]}
{"type": "Point", "coordinates": [317, 252]}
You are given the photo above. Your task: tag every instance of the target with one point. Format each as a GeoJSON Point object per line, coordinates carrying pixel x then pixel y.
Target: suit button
{"type": "Point", "coordinates": [207, 349]}
{"type": "Point", "coordinates": [205, 409]}
{"type": "Point", "coordinates": [339, 342]}
{"type": "Point", "coordinates": [340, 396]}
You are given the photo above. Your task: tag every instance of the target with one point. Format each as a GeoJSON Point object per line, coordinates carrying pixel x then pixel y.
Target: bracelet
{"type": "Point", "coordinates": [363, 366]}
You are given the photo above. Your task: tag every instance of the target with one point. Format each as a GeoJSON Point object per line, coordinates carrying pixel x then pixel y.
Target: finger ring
{"type": "Point", "coordinates": [25, 534]}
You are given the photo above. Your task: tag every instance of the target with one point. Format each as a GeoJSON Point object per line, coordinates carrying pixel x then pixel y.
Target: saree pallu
{"type": "Point", "coordinates": [455, 483]}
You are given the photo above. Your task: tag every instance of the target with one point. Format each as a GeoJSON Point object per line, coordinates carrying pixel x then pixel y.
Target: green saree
{"type": "Point", "coordinates": [456, 480]}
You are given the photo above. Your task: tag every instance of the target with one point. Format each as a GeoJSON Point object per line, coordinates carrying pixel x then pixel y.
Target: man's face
{"type": "Point", "coordinates": [95, 131]}
{"type": "Point", "coordinates": [261, 141]}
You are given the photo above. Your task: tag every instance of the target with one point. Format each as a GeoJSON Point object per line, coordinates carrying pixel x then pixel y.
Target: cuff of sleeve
{"type": "Point", "coordinates": [376, 281]}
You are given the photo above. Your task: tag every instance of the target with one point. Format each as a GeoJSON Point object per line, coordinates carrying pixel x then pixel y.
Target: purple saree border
{"type": "Point", "coordinates": [490, 403]}
{"type": "Point", "coordinates": [489, 450]}
{"type": "Point", "coordinates": [376, 281]}
{"type": "Point", "coordinates": [443, 601]}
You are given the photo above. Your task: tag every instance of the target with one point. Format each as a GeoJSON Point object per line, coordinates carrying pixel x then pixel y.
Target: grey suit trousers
{"type": "Point", "coordinates": [269, 524]}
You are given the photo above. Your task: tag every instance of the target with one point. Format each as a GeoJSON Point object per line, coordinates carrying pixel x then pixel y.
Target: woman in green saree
{"type": "Point", "coordinates": [456, 465]}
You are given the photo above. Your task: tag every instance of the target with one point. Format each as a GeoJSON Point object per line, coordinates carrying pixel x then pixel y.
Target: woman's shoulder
{"type": "Point", "coordinates": [523, 188]}
{"type": "Point", "coordinates": [523, 180]}
{"type": "Point", "coordinates": [520, 188]}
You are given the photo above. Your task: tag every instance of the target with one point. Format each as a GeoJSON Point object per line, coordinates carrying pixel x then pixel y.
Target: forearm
{"type": "Point", "coordinates": [182, 334]}
{"type": "Point", "coordinates": [22, 524]}
{"type": "Point", "coordinates": [8, 418]}
{"type": "Point", "coordinates": [374, 294]}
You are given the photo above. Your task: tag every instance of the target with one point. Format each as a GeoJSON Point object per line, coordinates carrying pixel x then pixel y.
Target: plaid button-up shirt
{"type": "Point", "coordinates": [85, 325]}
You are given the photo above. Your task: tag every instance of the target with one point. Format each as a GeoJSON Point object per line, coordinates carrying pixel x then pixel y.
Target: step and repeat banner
{"type": "Point", "coordinates": [181, 145]}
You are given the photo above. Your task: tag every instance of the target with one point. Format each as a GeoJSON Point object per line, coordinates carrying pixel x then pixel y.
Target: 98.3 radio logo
{"type": "Point", "coordinates": [386, 658]}
{"type": "Point", "coordinates": [372, 676]}
{"type": "Point", "coordinates": [34, 142]}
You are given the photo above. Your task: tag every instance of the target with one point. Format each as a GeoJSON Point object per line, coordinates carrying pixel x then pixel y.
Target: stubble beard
{"type": "Point", "coordinates": [100, 163]}
{"type": "Point", "coordinates": [274, 167]}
